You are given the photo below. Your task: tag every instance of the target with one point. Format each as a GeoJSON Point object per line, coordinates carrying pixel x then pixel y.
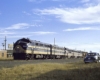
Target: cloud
{"type": "Point", "coordinates": [18, 36]}
{"type": "Point", "coordinates": [22, 26]}
{"type": "Point", "coordinates": [26, 13]}
{"type": "Point", "coordinates": [19, 26]}
{"type": "Point", "coordinates": [38, 1]}
{"type": "Point", "coordinates": [87, 47]}
{"type": "Point", "coordinates": [43, 33]}
{"type": "Point", "coordinates": [90, 1]}
{"type": "Point", "coordinates": [85, 1]}
{"type": "Point", "coordinates": [82, 29]}
{"type": "Point", "coordinates": [14, 29]}
{"type": "Point", "coordinates": [6, 33]}
{"type": "Point", "coordinates": [24, 34]}
{"type": "Point", "coordinates": [41, 0]}
{"type": "Point", "coordinates": [59, 0]}
{"type": "Point", "coordinates": [80, 15]}
{"type": "Point", "coordinates": [31, 0]}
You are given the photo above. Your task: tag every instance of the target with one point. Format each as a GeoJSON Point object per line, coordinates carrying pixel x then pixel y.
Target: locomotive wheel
{"type": "Point", "coordinates": [32, 56]}
{"type": "Point", "coordinates": [97, 61]}
{"type": "Point", "coordinates": [44, 57]}
{"type": "Point", "coordinates": [28, 57]}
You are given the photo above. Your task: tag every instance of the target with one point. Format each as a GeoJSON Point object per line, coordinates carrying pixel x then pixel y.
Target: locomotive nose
{"type": "Point", "coordinates": [18, 49]}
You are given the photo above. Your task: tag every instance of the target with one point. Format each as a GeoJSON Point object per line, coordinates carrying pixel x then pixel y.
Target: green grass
{"type": "Point", "coordinates": [49, 71]}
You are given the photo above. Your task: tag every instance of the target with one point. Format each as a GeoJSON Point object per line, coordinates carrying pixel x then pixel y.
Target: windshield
{"type": "Point", "coordinates": [91, 54]}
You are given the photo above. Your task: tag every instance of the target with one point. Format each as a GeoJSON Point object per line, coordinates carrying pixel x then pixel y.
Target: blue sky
{"type": "Point", "coordinates": [74, 24]}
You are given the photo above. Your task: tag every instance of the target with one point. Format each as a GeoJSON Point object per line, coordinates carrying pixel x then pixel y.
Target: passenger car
{"type": "Point", "coordinates": [92, 57]}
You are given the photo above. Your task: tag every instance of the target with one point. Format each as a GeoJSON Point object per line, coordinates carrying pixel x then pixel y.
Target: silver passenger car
{"type": "Point", "coordinates": [92, 57]}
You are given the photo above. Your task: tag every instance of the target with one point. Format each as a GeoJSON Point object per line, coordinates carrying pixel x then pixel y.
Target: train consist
{"type": "Point", "coordinates": [31, 49]}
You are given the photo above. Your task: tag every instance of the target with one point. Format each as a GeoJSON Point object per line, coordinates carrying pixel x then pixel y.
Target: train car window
{"type": "Point", "coordinates": [46, 45]}
{"type": "Point", "coordinates": [41, 44]}
{"type": "Point", "coordinates": [29, 48]}
{"type": "Point", "coordinates": [33, 43]}
{"type": "Point", "coordinates": [37, 44]}
{"type": "Point", "coordinates": [69, 51]}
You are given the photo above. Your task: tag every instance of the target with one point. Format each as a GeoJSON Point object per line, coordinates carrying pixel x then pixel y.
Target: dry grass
{"type": "Point", "coordinates": [48, 71]}
{"type": "Point", "coordinates": [6, 59]}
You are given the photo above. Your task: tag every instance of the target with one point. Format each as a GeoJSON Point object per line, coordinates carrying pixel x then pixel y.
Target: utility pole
{"type": "Point", "coordinates": [5, 42]}
{"type": "Point", "coordinates": [54, 46]}
{"type": "Point", "coordinates": [54, 41]}
{"type": "Point", "coordinates": [3, 45]}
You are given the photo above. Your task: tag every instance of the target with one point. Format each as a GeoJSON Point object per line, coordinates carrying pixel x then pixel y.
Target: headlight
{"type": "Point", "coordinates": [95, 57]}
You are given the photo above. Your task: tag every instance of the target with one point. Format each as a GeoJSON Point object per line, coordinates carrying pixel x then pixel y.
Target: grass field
{"type": "Point", "coordinates": [49, 71]}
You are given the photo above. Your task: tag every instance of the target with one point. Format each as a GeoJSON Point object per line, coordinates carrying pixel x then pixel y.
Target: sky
{"type": "Point", "coordinates": [74, 24]}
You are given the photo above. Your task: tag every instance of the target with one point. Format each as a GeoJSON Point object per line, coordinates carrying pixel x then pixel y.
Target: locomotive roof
{"type": "Point", "coordinates": [32, 41]}
{"type": "Point", "coordinates": [35, 41]}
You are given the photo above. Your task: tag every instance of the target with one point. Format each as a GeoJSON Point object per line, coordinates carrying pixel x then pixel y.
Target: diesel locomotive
{"type": "Point", "coordinates": [25, 48]}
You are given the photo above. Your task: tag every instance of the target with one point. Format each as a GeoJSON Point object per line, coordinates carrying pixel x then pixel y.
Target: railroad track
{"type": "Point", "coordinates": [12, 63]}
